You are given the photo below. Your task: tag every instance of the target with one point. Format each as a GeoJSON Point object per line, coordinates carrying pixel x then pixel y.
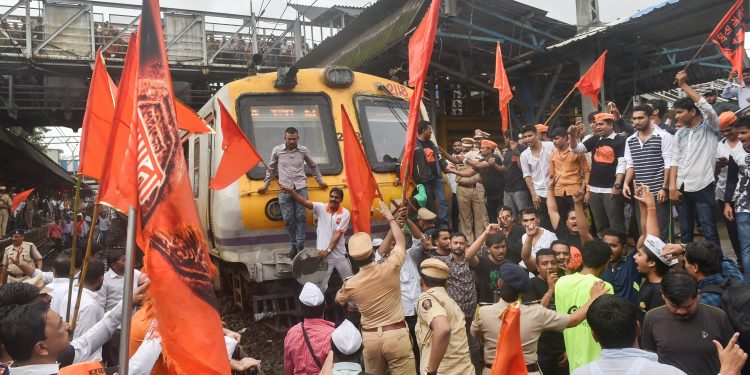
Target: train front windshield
{"type": "Point", "coordinates": [382, 122]}
{"type": "Point", "coordinates": [264, 118]}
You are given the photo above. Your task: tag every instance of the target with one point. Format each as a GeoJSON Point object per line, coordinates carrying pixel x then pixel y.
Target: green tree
{"type": "Point", "coordinates": [35, 137]}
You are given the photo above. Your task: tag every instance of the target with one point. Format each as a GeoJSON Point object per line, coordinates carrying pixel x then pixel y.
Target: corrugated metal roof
{"type": "Point", "coordinates": [603, 28]}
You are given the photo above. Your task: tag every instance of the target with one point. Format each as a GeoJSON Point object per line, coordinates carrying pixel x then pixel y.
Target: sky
{"type": "Point", "coordinates": [563, 10]}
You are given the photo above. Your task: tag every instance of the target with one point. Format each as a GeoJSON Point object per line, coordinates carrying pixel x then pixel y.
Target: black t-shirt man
{"type": "Point", "coordinates": [687, 343]}
{"type": "Point", "coordinates": [488, 273]}
{"type": "Point", "coordinates": [513, 174]}
{"type": "Point", "coordinates": [492, 179]}
{"type": "Point", "coordinates": [514, 244]}
{"type": "Point", "coordinates": [605, 152]}
{"type": "Point", "coordinates": [649, 297]}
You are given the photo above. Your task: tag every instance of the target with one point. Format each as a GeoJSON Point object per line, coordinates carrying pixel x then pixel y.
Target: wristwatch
{"type": "Point", "coordinates": [328, 250]}
{"type": "Point", "coordinates": [617, 186]}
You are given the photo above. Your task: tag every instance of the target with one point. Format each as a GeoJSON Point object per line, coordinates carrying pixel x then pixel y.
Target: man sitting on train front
{"type": "Point", "coordinates": [333, 221]}
{"type": "Point", "coordinates": [288, 161]}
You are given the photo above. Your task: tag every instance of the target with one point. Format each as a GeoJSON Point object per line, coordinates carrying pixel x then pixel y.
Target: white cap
{"type": "Point", "coordinates": [347, 338]}
{"type": "Point", "coordinates": [377, 242]}
{"type": "Point", "coordinates": [311, 295]}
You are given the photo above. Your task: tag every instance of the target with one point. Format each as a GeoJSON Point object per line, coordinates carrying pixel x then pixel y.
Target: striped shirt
{"type": "Point", "coordinates": [649, 159]}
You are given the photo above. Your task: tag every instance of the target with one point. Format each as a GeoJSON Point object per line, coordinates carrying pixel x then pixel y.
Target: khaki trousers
{"type": "Point", "coordinates": [384, 350]}
{"type": "Point", "coordinates": [3, 221]}
{"type": "Point", "coordinates": [472, 211]}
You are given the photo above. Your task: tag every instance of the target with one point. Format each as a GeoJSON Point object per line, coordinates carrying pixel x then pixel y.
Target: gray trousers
{"type": "Point", "coordinates": [517, 201]}
{"type": "Point", "coordinates": [664, 216]}
{"type": "Point", "coordinates": [607, 212]}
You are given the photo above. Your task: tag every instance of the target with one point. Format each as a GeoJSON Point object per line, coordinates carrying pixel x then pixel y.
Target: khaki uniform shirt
{"type": "Point", "coordinates": [534, 319]}
{"type": "Point", "coordinates": [29, 256]}
{"type": "Point", "coordinates": [433, 303]}
{"type": "Point", "coordinates": [376, 290]}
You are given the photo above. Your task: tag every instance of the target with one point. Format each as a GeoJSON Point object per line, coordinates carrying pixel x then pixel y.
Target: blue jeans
{"type": "Point", "coordinates": [743, 230]}
{"type": "Point", "coordinates": [436, 189]}
{"type": "Point", "coordinates": [699, 205]}
{"type": "Point", "coordinates": [295, 217]}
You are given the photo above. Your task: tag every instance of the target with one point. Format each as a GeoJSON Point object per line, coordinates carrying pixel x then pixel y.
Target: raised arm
{"type": "Point", "coordinates": [526, 253]}
{"type": "Point", "coordinates": [583, 223]}
{"type": "Point", "coordinates": [644, 196]}
{"type": "Point", "coordinates": [554, 214]}
{"type": "Point", "coordinates": [298, 198]}
{"type": "Point", "coordinates": [473, 250]}
{"type": "Point", "coordinates": [466, 172]}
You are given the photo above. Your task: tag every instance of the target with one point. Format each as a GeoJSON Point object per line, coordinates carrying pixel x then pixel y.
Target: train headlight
{"type": "Point", "coordinates": [338, 76]}
{"type": "Point", "coordinates": [273, 210]}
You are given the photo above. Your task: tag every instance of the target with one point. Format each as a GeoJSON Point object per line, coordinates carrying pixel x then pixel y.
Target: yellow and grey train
{"type": "Point", "coordinates": [245, 229]}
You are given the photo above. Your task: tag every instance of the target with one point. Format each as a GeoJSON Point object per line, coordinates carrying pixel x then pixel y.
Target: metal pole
{"type": "Point", "coordinates": [28, 32]}
{"type": "Point", "coordinates": [85, 269]}
{"type": "Point", "coordinates": [73, 248]}
{"type": "Point", "coordinates": [127, 293]}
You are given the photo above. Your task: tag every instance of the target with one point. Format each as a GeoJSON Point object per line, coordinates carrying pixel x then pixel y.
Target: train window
{"type": "Point", "coordinates": [382, 122]}
{"type": "Point", "coordinates": [263, 118]}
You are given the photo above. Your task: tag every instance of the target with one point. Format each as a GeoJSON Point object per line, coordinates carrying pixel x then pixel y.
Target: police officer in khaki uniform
{"type": "Point", "coordinates": [29, 255]}
{"type": "Point", "coordinates": [441, 326]}
{"type": "Point", "coordinates": [376, 290]}
{"type": "Point", "coordinates": [535, 318]}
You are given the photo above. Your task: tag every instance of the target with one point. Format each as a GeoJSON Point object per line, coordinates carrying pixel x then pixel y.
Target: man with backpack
{"type": "Point", "coordinates": [428, 170]}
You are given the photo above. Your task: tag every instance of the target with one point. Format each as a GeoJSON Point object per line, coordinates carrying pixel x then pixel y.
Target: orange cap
{"type": "Point", "coordinates": [541, 128]}
{"type": "Point", "coordinates": [726, 119]}
{"type": "Point", "coordinates": [603, 116]}
{"type": "Point", "coordinates": [488, 143]}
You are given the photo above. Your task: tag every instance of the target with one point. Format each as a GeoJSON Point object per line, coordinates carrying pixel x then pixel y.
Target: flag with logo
{"type": "Point", "coordinates": [154, 171]}
{"type": "Point", "coordinates": [729, 35]}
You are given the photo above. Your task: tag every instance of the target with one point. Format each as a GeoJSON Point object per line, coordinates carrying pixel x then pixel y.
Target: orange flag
{"type": "Point", "coordinates": [109, 191]}
{"type": "Point", "coordinates": [239, 154]}
{"type": "Point", "coordinates": [503, 86]}
{"type": "Point", "coordinates": [176, 254]}
{"type": "Point", "coordinates": [591, 82]}
{"type": "Point", "coordinates": [97, 120]}
{"type": "Point", "coordinates": [420, 54]}
{"type": "Point", "coordinates": [509, 355]}
{"type": "Point", "coordinates": [189, 121]}
{"type": "Point", "coordinates": [729, 35]}
{"type": "Point", "coordinates": [18, 198]}
{"type": "Point", "coordinates": [359, 178]}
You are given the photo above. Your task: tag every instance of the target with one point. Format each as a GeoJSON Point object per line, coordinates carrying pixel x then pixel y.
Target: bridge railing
{"type": "Point", "coordinates": [72, 30]}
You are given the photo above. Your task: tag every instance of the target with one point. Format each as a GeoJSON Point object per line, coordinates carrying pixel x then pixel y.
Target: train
{"type": "Point", "coordinates": [244, 229]}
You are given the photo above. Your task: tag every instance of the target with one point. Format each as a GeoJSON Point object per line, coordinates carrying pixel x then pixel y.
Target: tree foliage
{"type": "Point", "coordinates": [35, 137]}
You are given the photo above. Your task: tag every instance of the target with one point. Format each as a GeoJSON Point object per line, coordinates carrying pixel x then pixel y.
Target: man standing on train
{"type": "Point", "coordinates": [288, 161]}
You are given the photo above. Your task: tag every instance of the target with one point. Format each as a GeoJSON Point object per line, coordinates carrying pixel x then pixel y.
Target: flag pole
{"type": "Point", "coordinates": [127, 294]}
{"type": "Point", "coordinates": [559, 106]}
{"type": "Point", "coordinates": [73, 248]}
{"type": "Point", "coordinates": [84, 270]}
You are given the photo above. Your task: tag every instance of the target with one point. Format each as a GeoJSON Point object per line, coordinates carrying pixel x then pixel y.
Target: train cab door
{"type": "Point", "coordinates": [199, 146]}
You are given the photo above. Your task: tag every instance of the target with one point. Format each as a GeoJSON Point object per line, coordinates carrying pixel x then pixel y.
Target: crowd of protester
{"type": "Point", "coordinates": [578, 228]}
{"type": "Point", "coordinates": [576, 231]}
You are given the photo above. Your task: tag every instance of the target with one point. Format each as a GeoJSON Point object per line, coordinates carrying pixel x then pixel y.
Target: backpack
{"type": "Point", "coordinates": [735, 301]}
{"type": "Point", "coordinates": [422, 171]}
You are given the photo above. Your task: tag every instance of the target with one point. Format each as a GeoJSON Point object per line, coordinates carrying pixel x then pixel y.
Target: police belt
{"type": "Point", "coordinates": [534, 367]}
{"type": "Point", "coordinates": [388, 327]}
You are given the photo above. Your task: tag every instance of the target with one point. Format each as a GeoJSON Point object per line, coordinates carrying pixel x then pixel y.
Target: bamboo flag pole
{"type": "Point", "coordinates": [73, 249]}
{"type": "Point", "coordinates": [84, 270]}
{"type": "Point", "coordinates": [559, 106]}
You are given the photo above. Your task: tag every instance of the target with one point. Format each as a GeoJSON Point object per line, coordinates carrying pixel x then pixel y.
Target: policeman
{"type": "Point", "coordinates": [376, 290]}
{"type": "Point", "coordinates": [535, 318]}
{"type": "Point", "coordinates": [19, 251]}
{"type": "Point", "coordinates": [441, 327]}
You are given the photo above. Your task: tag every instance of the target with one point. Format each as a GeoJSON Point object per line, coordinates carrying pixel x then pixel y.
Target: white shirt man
{"type": "Point", "coordinates": [330, 222]}
{"type": "Point", "coordinates": [89, 313]}
{"type": "Point", "coordinates": [545, 241]}
{"type": "Point", "coordinates": [112, 289]}
{"type": "Point", "coordinates": [538, 167]}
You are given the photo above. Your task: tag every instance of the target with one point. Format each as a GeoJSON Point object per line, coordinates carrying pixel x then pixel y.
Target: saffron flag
{"type": "Point", "coordinates": [591, 82]}
{"type": "Point", "coordinates": [359, 178]}
{"type": "Point", "coordinates": [420, 54]}
{"type": "Point", "coordinates": [239, 154]}
{"type": "Point", "coordinates": [97, 120]}
{"type": "Point", "coordinates": [109, 191]}
{"type": "Point", "coordinates": [509, 354]}
{"type": "Point", "coordinates": [18, 198]}
{"type": "Point", "coordinates": [176, 254]}
{"type": "Point", "coordinates": [729, 35]}
{"type": "Point", "coordinates": [189, 121]}
{"type": "Point", "coordinates": [503, 86]}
